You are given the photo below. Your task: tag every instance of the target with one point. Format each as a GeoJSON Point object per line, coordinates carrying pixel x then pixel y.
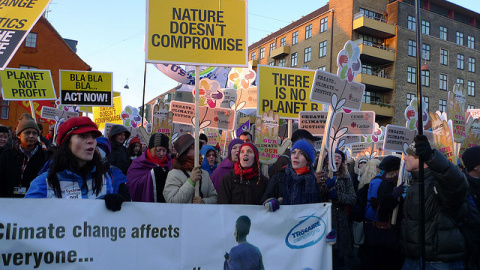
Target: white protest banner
{"type": "Point", "coordinates": [474, 113]}
{"type": "Point", "coordinates": [180, 129]}
{"type": "Point", "coordinates": [18, 18]}
{"type": "Point", "coordinates": [357, 123]}
{"type": "Point", "coordinates": [59, 116]}
{"type": "Point", "coordinates": [398, 138]}
{"type": "Point", "coordinates": [360, 149]}
{"type": "Point", "coordinates": [217, 118]}
{"type": "Point", "coordinates": [84, 234]}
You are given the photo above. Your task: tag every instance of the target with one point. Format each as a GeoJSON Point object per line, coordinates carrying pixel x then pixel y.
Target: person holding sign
{"type": "Point", "coordinates": [181, 181]}
{"type": "Point", "coordinates": [148, 173]}
{"type": "Point", "coordinates": [296, 183]}
{"type": "Point", "coordinates": [77, 170]}
{"type": "Point", "coordinates": [245, 184]}
{"type": "Point", "coordinates": [20, 165]}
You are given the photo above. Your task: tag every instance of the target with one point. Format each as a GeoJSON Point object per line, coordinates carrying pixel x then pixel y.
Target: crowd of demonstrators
{"type": "Point", "coordinates": [227, 164]}
{"type": "Point", "coordinates": [134, 148]}
{"type": "Point", "coordinates": [77, 170]}
{"type": "Point", "coordinates": [148, 173]}
{"type": "Point", "coordinates": [20, 164]}
{"type": "Point", "coordinates": [119, 156]}
{"type": "Point", "coordinates": [245, 183]}
{"type": "Point", "coordinates": [181, 180]}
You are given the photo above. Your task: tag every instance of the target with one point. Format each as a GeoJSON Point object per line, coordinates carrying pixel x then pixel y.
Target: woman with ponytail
{"type": "Point", "coordinates": [245, 183]}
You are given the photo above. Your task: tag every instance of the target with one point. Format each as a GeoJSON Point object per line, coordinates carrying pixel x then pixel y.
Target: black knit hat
{"type": "Point", "coordinates": [158, 139]}
{"type": "Point", "coordinates": [26, 121]}
{"type": "Point", "coordinates": [471, 157]}
{"type": "Point", "coordinates": [390, 163]}
{"type": "Point", "coordinates": [3, 129]}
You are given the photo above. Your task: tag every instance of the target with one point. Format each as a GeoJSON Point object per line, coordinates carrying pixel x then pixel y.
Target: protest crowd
{"type": "Point", "coordinates": [364, 192]}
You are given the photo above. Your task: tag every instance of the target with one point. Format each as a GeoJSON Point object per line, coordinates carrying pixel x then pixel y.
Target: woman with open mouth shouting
{"type": "Point", "coordinates": [245, 183]}
{"type": "Point", "coordinates": [77, 170]}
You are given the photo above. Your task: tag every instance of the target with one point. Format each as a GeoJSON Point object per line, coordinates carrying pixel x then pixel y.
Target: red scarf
{"type": "Point", "coordinates": [156, 160]}
{"type": "Point", "coordinates": [302, 171]}
{"type": "Point", "coordinates": [247, 173]}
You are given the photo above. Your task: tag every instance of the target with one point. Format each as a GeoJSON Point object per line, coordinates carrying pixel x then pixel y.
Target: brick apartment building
{"type": "Point", "coordinates": [385, 33]}
{"type": "Point", "coordinates": [43, 48]}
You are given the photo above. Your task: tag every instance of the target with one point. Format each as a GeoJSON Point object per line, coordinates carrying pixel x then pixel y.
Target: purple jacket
{"type": "Point", "coordinates": [140, 181]}
{"type": "Point", "coordinates": [223, 168]}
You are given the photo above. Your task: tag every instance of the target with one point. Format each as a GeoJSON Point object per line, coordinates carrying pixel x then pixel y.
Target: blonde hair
{"type": "Point", "coordinates": [368, 172]}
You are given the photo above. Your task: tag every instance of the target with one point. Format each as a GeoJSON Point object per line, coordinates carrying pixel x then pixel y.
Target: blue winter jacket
{"type": "Point", "coordinates": [71, 184]}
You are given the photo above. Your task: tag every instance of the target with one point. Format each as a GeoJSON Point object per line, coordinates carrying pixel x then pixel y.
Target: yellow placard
{"type": "Point", "coordinates": [102, 115]}
{"type": "Point", "coordinates": [285, 91]}
{"type": "Point", "coordinates": [85, 88]}
{"type": "Point", "coordinates": [27, 84]}
{"type": "Point", "coordinates": [207, 32]}
{"type": "Point", "coordinates": [18, 18]}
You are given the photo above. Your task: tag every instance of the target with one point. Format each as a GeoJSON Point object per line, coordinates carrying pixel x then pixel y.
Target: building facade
{"type": "Point", "coordinates": [385, 32]}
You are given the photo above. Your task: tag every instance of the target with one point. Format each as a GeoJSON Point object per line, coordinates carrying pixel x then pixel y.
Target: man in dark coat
{"type": "Point", "coordinates": [445, 192]}
{"type": "Point", "coordinates": [119, 156]}
{"type": "Point", "coordinates": [20, 165]}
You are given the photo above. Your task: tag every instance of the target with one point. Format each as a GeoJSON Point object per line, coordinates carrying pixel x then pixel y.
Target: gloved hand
{"type": "Point", "coordinates": [320, 176]}
{"type": "Point", "coordinates": [423, 148]}
{"type": "Point", "coordinates": [331, 182]}
{"type": "Point", "coordinates": [123, 190]}
{"type": "Point", "coordinates": [196, 174]}
{"type": "Point", "coordinates": [333, 194]}
{"type": "Point", "coordinates": [272, 204]}
{"type": "Point", "coordinates": [398, 191]}
{"type": "Point", "coordinates": [114, 201]}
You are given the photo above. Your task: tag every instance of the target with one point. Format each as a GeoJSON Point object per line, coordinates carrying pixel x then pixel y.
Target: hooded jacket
{"type": "Point", "coordinates": [119, 156]}
{"type": "Point", "coordinates": [445, 191]}
{"type": "Point", "coordinates": [205, 166]}
{"type": "Point", "coordinates": [225, 166]}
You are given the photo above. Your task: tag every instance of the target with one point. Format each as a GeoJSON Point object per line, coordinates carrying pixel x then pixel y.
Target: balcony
{"type": "Point", "coordinates": [254, 63]}
{"type": "Point", "coordinates": [376, 81]}
{"type": "Point", "coordinates": [373, 26]}
{"type": "Point", "coordinates": [380, 109]}
{"type": "Point", "coordinates": [375, 53]}
{"type": "Point", "coordinates": [280, 52]}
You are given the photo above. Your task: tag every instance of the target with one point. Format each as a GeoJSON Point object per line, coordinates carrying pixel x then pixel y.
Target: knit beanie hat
{"type": "Point", "coordinates": [134, 140]}
{"type": "Point", "coordinates": [471, 158]}
{"type": "Point", "coordinates": [26, 121]}
{"type": "Point", "coordinates": [255, 150]}
{"type": "Point", "coordinates": [3, 129]}
{"type": "Point", "coordinates": [337, 151]}
{"type": "Point", "coordinates": [231, 145]}
{"type": "Point", "coordinates": [306, 148]}
{"type": "Point", "coordinates": [390, 163]}
{"type": "Point", "coordinates": [158, 139]}
{"type": "Point", "coordinates": [76, 125]}
{"type": "Point", "coordinates": [411, 150]}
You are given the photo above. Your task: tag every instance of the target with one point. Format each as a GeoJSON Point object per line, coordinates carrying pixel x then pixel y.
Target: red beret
{"type": "Point", "coordinates": [76, 125]}
{"type": "Point", "coordinates": [134, 140]}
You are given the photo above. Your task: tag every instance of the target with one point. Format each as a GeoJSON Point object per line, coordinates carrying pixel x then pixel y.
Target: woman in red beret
{"type": "Point", "coordinates": [77, 171]}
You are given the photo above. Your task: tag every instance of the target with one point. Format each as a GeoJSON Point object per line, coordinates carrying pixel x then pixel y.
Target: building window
{"type": "Point", "coordinates": [471, 64]}
{"type": "Point", "coordinates": [308, 54]}
{"type": "Point", "coordinates": [283, 41]}
{"type": "Point", "coordinates": [443, 82]}
{"type": "Point", "coordinates": [460, 81]}
{"type": "Point", "coordinates": [460, 60]}
{"type": "Point", "coordinates": [471, 88]}
{"type": "Point", "coordinates": [444, 57]}
{"type": "Point", "coordinates": [324, 68]}
{"type": "Point", "coordinates": [323, 24]}
{"type": "Point", "coordinates": [426, 100]}
{"type": "Point", "coordinates": [272, 46]}
{"type": "Point", "coordinates": [459, 39]}
{"type": "Point", "coordinates": [5, 108]}
{"type": "Point", "coordinates": [425, 27]}
{"type": "Point", "coordinates": [411, 74]}
{"type": "Point", "coordinates": [254, 56]}
{"type": "Point", "coordinates": [426, 52]}
{"type": "Point", "coordinates": [271, 63]}
{"type": "Point", "coordinates": [471, 42]}
{"type": "Point", "coordinates": [31, 40]}
{"type": "Point", "coordinates": [443, 33]}
{"type": "Point", "coordinates": [366, 69]}
{"type": "Point", "coordinates": [323, 49]}
{"type": "Point", "coordinates": [371, 97]}
{"type": "Point", "coordinates": [412, 48]}
{"type": "Point", "coordinates": [411, 23]}
{"type": "Point", "coordinates": [295, 38]}
{"type": "Point", "coordinates": [425, 78]}
{"type": "Point", "coordinates": [281, 62]}
{"type": "Point", "coordinates": [470, 107]}
{"type": "Point", "coordinates": [308, 31]}
{"type": "Point", "coordinates": [294, 60]}
{"type": "Point", "coordinates": [442, 105]}
{"type": "Point", "coordinates": [262, 53]}
{"type": "Point", "coordinates": [410, 97]}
